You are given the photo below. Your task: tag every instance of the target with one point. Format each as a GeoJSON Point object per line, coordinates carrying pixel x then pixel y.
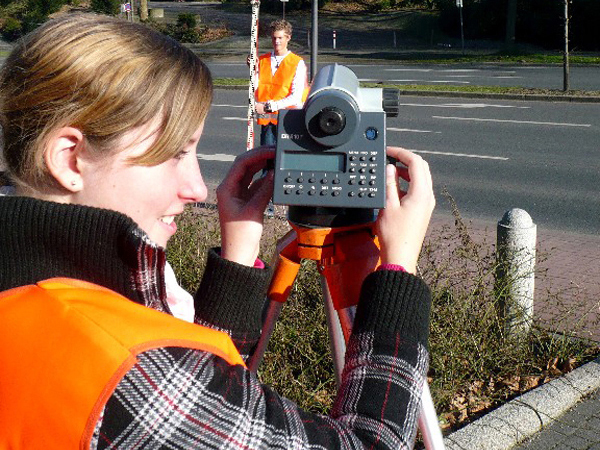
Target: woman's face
{"type": "Point", "coordinates": [151, 195]}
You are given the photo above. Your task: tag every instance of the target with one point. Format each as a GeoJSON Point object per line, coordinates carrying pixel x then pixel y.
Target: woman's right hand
{"type": "Point", "coordinates": [402, 225]}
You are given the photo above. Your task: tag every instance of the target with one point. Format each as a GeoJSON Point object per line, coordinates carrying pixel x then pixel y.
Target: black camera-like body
{"type": "Point", "coordinates": [332, 152]}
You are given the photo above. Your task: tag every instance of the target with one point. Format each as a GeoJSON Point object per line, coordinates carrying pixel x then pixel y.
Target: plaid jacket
{"type": "Point", "coordinates": [177, 398]}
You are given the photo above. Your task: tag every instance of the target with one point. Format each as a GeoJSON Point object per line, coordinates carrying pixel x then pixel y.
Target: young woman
{"type": "Point", "coordinates": [100, 122]}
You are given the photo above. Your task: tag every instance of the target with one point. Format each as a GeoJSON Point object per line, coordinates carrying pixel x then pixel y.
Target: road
{"type": "Point", "coordinates": [531, 77]}
{"type": "Point", "coordinates": [491, 156]}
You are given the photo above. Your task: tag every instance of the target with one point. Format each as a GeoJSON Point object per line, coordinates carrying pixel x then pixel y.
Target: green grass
{"type": "Point", "coordinates": [494, 90]}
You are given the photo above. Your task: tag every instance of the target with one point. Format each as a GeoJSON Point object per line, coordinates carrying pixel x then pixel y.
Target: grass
{"type": "Point", "coordinates": [475, 366]}
{"type": "Point", "coordinates": [409, 88]}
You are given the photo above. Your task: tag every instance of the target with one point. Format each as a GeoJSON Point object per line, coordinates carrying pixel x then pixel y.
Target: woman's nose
{"type": "Point", "coordinates": [193, 188]}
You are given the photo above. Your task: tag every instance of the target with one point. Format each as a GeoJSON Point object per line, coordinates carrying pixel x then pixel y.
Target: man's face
{"type": "Point", "coordinates": [280, 42]}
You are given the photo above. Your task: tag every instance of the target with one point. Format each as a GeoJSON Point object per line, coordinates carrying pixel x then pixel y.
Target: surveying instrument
{"type": "Point", "coordinates": [330, 172]}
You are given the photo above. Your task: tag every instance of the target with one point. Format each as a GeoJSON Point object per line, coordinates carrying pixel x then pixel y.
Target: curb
{"type": "Point", "coordinates": [526, 415]}
{"type": "Point", "coordinates": [479, 95]}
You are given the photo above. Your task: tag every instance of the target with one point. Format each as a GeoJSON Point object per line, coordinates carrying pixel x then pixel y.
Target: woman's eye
{"type": "Point", "coordinates": [182, 154]}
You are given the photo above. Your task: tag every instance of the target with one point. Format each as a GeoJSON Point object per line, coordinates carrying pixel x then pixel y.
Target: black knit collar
{"type": "Point", "coordinates": [41, 239]}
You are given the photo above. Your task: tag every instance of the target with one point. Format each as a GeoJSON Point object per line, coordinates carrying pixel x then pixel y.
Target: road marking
{"type": "Point", "coordinates": [463, 105]}
{"type": "Point", "coordinates": [408, 70]}
{"type": "Point", "coordinates": [377, 80]}
{"type": "Point", "coordinates": [230, 106]}
{"type": "Point", "coordinates": [528, 122]}
{"type": "Point", "coordinates": [217, 157]}
{"type": "Point", "coordinates": [460, 155]}
{"type": "Point", "coordinates": [413, 131]}
{"type": "Point", "coordinates": [229, 158]}
{"type": "Point", "coordinates": [242, 119]}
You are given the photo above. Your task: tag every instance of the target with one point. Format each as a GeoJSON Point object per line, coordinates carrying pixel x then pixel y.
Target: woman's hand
{"type": "Point", "coordinates": [402, 225]}
{"type": "Point", "coordinates": [242, 203]}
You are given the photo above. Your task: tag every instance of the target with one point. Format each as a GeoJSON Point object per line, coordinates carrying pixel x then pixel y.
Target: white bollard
{"type": "Point", "coordinates": [515, 274]}
{"type": "Point", "coordinates": [334, 39]}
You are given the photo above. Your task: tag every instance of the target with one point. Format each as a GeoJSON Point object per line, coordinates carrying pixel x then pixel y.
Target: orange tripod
{"type": "Point", "coordinates": [345, 256]}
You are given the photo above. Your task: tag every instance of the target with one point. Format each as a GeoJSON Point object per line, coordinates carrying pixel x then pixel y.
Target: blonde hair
{"type": "Point", "coordinates": [105, 77]}
{"type": "Point", "coordinates": [281, 25]}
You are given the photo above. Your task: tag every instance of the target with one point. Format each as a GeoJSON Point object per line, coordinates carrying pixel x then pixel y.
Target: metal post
{"type": "Point", "coordinates": [566, 81]}
{"type": "Point", "coordinates": [515, 276]}
{"type": "Point", "coordinates": [462, 28]}
{"type": "Point", "coordinates": [315, 39]}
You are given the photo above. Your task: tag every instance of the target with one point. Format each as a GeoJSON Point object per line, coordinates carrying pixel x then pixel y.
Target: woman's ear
{"type": "Point", "coordinates": [61, 156]}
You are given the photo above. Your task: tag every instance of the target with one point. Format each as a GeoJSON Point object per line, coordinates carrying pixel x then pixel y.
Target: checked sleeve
{"type": "Point", "coordinates": [179, 398]}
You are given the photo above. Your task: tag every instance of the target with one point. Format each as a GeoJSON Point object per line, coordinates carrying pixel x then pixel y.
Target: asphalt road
{"type": "Point", "coordinates": [532, 77]}
{"type": "Point", "coordinates": [491, 155]}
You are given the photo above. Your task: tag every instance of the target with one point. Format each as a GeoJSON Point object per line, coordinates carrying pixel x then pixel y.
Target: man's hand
{"type": "Point", "coordinates": [260, 107]}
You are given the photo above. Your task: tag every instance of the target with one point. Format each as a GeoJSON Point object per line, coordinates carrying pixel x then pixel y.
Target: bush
{"type": "Point", "coordinates": [474, 366]}
{"type": "Point", "coordinates": [108, 7]}
{"type": "Point", "coordinates": [11, 29]}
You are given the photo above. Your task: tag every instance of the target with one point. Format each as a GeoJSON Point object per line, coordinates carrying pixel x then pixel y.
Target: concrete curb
{"type": "Point", "coordinates": [524, 416]}
{"type": "Point", "coordinates": [474, 95]}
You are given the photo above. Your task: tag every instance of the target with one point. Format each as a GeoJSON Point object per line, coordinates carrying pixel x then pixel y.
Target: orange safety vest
{"type": "Point", "coordinates": [65, 345]}
{"type": "Point", "coordinates": [278, 86]}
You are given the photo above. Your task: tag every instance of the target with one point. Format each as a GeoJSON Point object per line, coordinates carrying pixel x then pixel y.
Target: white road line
{"type": "Point", "coordinates": [230, 106]}
{"type": "Point", "coordinates": [377, 80]}
{"type": "Point", "coordinates": [528, 122]}
{"type": "Point", "coordinates": [461, 155]}
{"type": "Point", "coordinates": [242, 119]}
{"type": "Point", "coordinates": [408, 70]}
{"type": "Point", "coordinates": [463, 105]}
{"type": "Point", "coordinates": [217, 157]}
{"type": "Point", "coordinates": [229, 158]}
{"type": "Point", "coordinates": [406, 130]}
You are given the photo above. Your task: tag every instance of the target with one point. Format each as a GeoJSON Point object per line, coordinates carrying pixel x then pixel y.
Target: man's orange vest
{"type": "Point", "coordinates": [278, 86]}
{"type": "Point", "coordinates": [65, 345]}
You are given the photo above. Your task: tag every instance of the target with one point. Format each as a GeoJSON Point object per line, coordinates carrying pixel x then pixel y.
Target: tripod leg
{"type": "Point", "coordinates": [337, 340]}
{"type": "Point", "coordinates": [428, 422]}
{"type": "Point", "coordinates": [271, 315]}
{"type": "Point", "coordinates": [287, 266]}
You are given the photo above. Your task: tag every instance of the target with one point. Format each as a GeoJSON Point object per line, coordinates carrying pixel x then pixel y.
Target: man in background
{"type": "Point", "coordinates": [282, 81]}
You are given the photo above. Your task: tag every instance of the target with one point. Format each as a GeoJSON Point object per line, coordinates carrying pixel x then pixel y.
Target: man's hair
{"type": "Point", "coordinates": [105, 77]}
{"type": "Point", "coordinates": [281, 24]}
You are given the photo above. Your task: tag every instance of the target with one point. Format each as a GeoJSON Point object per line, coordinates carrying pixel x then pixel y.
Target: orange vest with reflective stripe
{"type": "Point", "coordinates": [278, 86]}
{"type": "Point", "coordinates": [65, 345]}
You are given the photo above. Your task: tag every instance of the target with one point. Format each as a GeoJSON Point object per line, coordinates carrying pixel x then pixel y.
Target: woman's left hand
{"type": "Point", "coordinates": [242, 202]}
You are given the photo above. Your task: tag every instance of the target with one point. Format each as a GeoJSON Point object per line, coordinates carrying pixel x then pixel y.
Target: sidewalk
{"type": "Point", "coordinates": [564, 413]}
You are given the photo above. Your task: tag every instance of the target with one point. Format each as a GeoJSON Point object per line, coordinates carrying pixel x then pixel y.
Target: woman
{"type": "Point", "coordinates": [101, 119]}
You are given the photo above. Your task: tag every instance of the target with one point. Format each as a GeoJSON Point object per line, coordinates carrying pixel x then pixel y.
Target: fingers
{"type": "Point", "coordinates": [247, 165]}
{"type": "Point", "coordinates": [392, 198]}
